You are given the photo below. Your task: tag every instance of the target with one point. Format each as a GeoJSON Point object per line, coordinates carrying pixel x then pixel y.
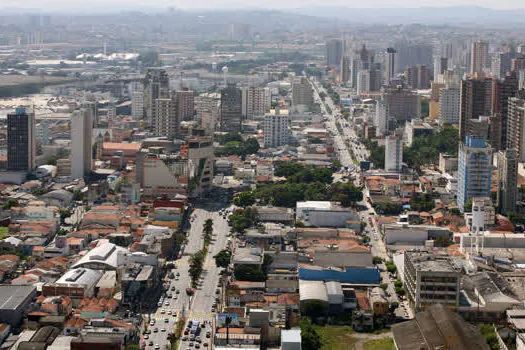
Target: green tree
{"type": "Point", "coordinates": [422, 203]}
{"type": "Point", "coordinates": [310, 340]}
{"type": "Point", "coordinates": [314, 309]}
{"type": "Point", "coordinates": [8, 204]}
{"type": "Point", "coordinates": [223, 258]}
{"type": "Point", "coordinates": [377, 260]}
{"type": "Point", "coordinates": [244, 199]}
{"type": "Point", "coordinates": [443, 241]}
{"type": "Point", "coordinates": [251, 273]}
{"type": "Point", "coordinates": [251, 146]}
{"type": "Point", "coordinates": [388, 208]}
{"type": "Point", "coordinates": [336, 165]}
{"type": "Point", "coordinates": [287, 169]}
{"type": "Point", "coordinates": [346, 193]}
{"type": "Point", "coordinates": [391, 267]}
{"type": "Point", "coordinates": [425, 107]}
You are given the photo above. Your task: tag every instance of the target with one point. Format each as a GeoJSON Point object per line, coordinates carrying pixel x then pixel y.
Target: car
{"type": "Point", "coordinates": [167, 303]}
{"type": "Point", "coordinates": [184, 338]}
{"type": "Point", "coordinates": [155, 330]}
{"type": "Point", "coordinates": [157, 346]}
{"type": "Point", "coordinates": [186, 331]}
{"type": "Point", "coordinates": [212, 309]}
{"type": "Point", "coordinates": [172, 288]}
{"type": "Point", "coordinates": [150, 343]}
{"type": "Point", "coordinates": [197, 346]}
{"type": "Point", "coordinates": [163, 330]}
{"type": "Point", "coordinates": [176, 278]}
{"type": "Point", "coordinates": [178, 274]}
{"type": "Point", "coordinates": [166, 320]}
{"type": "Point", "coordinates": [205, 345]}
{"type": "Point", "coordinates": [146, 336]}
{"type": "Point", "coordinates": [159, 303]}
{"type": "Point", "coordinates": [198, 339]}
{"type": "Point", "coordinates": [170, 312]}
{"type": "Point", "coordinates": [152, 322]}
{"type": "Point", "coordinates": [162, 311]}
{"type": "Point", "coordinates": [191, 345]}
{"type": "Point", "coordinates": [177, 291]}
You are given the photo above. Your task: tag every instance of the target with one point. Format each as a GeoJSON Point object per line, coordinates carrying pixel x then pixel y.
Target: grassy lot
{"type": "Point", "coordinates": [379, 344]}
{"type": "Point", "coordinates": [3, 231]}
{"type": "Point", "coordinates": [336, 337]}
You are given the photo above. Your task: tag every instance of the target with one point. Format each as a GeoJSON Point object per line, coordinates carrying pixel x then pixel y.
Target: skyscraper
{"type": "Point", "coordinates": [137, 101]}
{"type": "Point", "coordinates": [334, 52]}
{"type": "Point", "coordinates": [401, 104]}
{"type": "Point", "coordinates": [502, 90]}
{"type": "Point", "coordinates": [418, 76]}
{"type": "Point", "coordinates": [81, 147]}
{"type": "Point", "coordinates": [231, 109]}
{"type": "Point", "coordinates": [363, 81]}
{"type": "Point", "coordinates": [475, 101]}
{"type": "Point", "coordinates": [345, 69]}
{"type": "Point", "coordinates": [164, 119]}
{"type": "Point", "coordinates": [390, 70]}
{"type": "Point", "coordinates": [449, 101]}
{"type": "Point", "coordinates": [185, 100]}
{"type": "Point", "coordinates": [156, 86]}
{"type": "Point", "coordinates": [393, 153]}
{"type": "Point", "coordinates": [501, 64]}
{"type": "Point", "coordinates": [302, 93]}
{"type": "Point", "coordinates": [440, 66]}
{"type": "Point", "coordinates": [479, 56]}
{"type": "Point", "coordinates": [474, 170]}
{"type": "Point", "coordinates": [516, 127]}
{"type": "Point", "coordinates": [507, 162]}
{"type": "Point", "coordinates": [21, 143]}
{"type": "Point", "coordinates": [409, 54]}
{"type": "Point", "coordinates": [276, 128]}
{"type": "Point", "coordinates": [256, 101]}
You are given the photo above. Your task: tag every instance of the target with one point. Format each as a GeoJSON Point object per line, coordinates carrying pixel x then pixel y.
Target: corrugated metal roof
{"type": "Point", "coordinates": [349, 275]}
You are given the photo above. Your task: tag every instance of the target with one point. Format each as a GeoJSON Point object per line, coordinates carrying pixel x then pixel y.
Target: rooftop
{"type": "Point", "coordinates": [12, 296]}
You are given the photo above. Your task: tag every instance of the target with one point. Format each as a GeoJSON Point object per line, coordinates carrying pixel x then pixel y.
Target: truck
{"type": "Point", "coordinates": [195, 327]}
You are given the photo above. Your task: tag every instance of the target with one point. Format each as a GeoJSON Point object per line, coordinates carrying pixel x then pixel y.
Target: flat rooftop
{"type": "Point", "coordinates": [12, 296]}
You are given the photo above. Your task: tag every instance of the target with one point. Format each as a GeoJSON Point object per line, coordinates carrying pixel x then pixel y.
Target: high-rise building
{"type": "Point", "coordinates": [507, 162]}
{"type": "Point", "coordinates": [137, 101]}
{"type": "Point", "coordinates": [474, 170]}
{"type": "Point", "coordinates": [475, 101]}
{"type": "Point", "coordinates": [502, 90]}
{"type": "Point", "coordinates": [363, 81]}
{"type": "Point", "coordinates": [164, 119]}
{"type": "Point", "coordinates": [256, 101]}
{"type": "Point", "coordinates": [393, 153]}
{"type": "Point", "coordinates": [440, 66]}
{"type": "Point", "coordinates": [518, 63]}
{"type": "Point", "coordinates": [207, 108]}
{"type": "Point", "coordinates": [302, 93]}
{"type": "Point", "coordinates": [345, 69]}
{"type": "Point", "coordinates": [501, 64]}
{"type": "Point", "coordinates": [376, 77]}
{"type": "Point", "coordinates": [409, 54]}
{"type": "Point", "coordinates": [334, 52]}
{"type": "Point", "coordinates": [516, 127]}
{"type": "Point", "coordinates": [156, 86]}
{"type": "Point", "coordinates": [21, 142]}
{"type": "Point", "coordinates": [81, 147]}
{"type": "Point", "coordinates": [276, 128]}
{"type": "Point", "coordinates": [418, 76]}
{"type": "Point", "coordinates": [185, 100]}
{"type": "Point", "coordinates": [479, 56]}
{"type": "Point", "coordinates": [390, 70]}
{"type": "Point", "coordinates": [362, 59]}
{"type": "Point", "coordinates": [449, 100]}
{"type": "Point", "coordinates": [402, 104]}
{"type": "Point", "coordinates": [231, 109]}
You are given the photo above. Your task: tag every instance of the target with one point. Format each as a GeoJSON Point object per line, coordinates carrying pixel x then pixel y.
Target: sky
{"type": "Point", "coordinates": [274, 4]}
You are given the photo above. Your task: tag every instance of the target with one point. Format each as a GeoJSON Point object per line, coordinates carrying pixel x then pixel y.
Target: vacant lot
{"type": "Point", "coordinates": [380, 344]}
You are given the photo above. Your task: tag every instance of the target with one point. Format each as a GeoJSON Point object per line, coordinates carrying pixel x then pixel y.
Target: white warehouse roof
{"type": "Point", "coordinates": [312, 290]}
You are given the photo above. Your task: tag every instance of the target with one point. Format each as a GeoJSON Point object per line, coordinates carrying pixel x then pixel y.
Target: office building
{"type": "Point", "coordinates": [302, 93]}
{"type": "Point", "coordinates": [207, 109]}
{"type": "Point", "coordinates": [376, 77]}
{"type": "Point", "coordinates": [516, 127]}
{"type": "Point", "coordinates": [402, 104]}
{"type": "Point", "coordinates": [418, 76]}
{"type": "Point", "coordinates": [507, 162]}
{"type": "Point", "coordinates": [502, 90]}
{"type": "Point", "coordinates": [334, 52]}
{"type": "Point", "coordinates": [185, 100]}
{"type": "Point", "coordinates": [363, 81]}
{"type": "Point", "coordinates": [344, 74]}
{"type": "Point", "coordinates": [409, 54]}
{"type": "Point", "coordinates": [362, 59]}
{"type": "Point", "coordinates": [501, 64]}
{"type": "Point", "coordinates": [431, 279]}
{"type": "Point", "coordinates": [440, 66]}
{"type": "Point", "coordinates": [474, 170]}
{"type": "Point", "coordinates": [475, 101]}
{"type": "Point", "coordinates": [231, 109]}
{"type": "Point", "coordinates": [390, 69]}
{"type": "Point", "coordinates": [276, 128]}
{"type": "Point", "coordinates": [449, 101]}
{"type": "Point", "coordinates": [393, 153]}
{"type": "Point", "coordinates": [21, 141]}
{"type": "Point", "coordinates": [479, 56]}
{"type": "Point", "coordinates": [81, 146]}
{"type": "Point", "coordinates": [137, 103]}
{"type": "Point", "coordinates": [164, 118]}
{"type": "Point", "coordinates": [156, 86]}
{"type": "Point", "coordinates": [256, 101]}
{"type": "Point", "coordinates": [381, 120]}
{"type": "Point", "coordinates": [518, 63]}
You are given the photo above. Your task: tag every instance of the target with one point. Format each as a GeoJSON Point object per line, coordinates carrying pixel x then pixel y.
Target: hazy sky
{"type": "Point", "coordinates": [275, 4]}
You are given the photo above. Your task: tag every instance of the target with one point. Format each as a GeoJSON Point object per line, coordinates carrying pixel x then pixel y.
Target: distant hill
{"type": "Point", "coordinates": [457, 15]}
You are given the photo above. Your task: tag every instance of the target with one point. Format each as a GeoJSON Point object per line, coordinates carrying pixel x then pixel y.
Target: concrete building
{"type": "Point", "coordinates": [291, 339]}
{"type": "Point", "coordinates": [482, 216]}
{"type": "Point", "coordinates": [390, 68]}
{"type": "Point", "coordinates": [507, 163]}
{"type": "Point", "coordinates": [401, 104]}
{"type": "Point", "coordinates": [440, 66]}
{"type": "Point", "coordinates": [479, 56]}
{"type": "Point", "coordinates": [449, 105]}
{"type": "Point", "coordinates": [417, 235]}
{"type": "Point", "coordinates": [200, 153]}
{"type": "Point", "coordinates": [334, 52]}
{"type": "Point", "coordinates": [393, 153]}
{"type": "Point", "coordinates": [324, 214]}
{"type": "Point", "coordinates": [156, 86]}
{"type": "Point", "coordinates": [81, 146]}
{"type": "Point", "coordinates": [256, 101]}
{"type": "Point", "coordinates": [431, 279]}
{"type": "Point", "coordinates": [15, 301]}
{"type": "Point", "coordinates": [344, 74]}
{"type": "Point", "coordinates": [417, 128]}
{"type": "Point", "coordinates": [185, 104]}
{"type": "Point", "coordinates": [137, 102]}
{"type": "Point", "coordinates": [207, 109]}
{"type": "Point", "coordinates": [447, 163]}
{"type": "Point", "coordinates": [302, 94]}
{"type": "Point", "coordinates": [409, 54]}
{"type": "Point", "coordinates": [363, 81]}
{"type": "Point", "coordinates": [418, 76]}
{"type": "Point", "coordinates": [276, 128]}
{"type": "Point", "coordinates": [474, 170]}
{"type": "Point", "coordinates": [502, 90]}
{"type": "Point", "coordinates": [516, 127]}
{"type": "Point", "coordinates": [231, 109]}
{"type": "Point", "coordinates": [21, 141]}
{"type": "Point", "coordinates": [164, 121]}
{"type": "Point", "coordinates": [475, 101]}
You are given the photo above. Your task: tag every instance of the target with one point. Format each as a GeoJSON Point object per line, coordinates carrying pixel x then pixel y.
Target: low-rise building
{"type": "Point", "coordinates": [324, 214]}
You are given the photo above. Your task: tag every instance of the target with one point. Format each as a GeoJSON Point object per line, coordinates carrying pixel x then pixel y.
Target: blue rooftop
{"type": "Point", "coordinates": [350, 275]}
{"type": "Point", "coordinates": [474, 141]}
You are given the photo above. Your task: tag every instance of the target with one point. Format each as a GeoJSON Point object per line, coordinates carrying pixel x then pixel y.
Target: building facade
{"type": "Point", "coordinates": [81, 146]}
{"type": "Point", "coordinates": [475, 101]}
{"type": "Point", "coordinates": [21, 141]}
{"type": "Point", "coordinates": [393, 153]}
{"type": "Point", "coordinates": [231, 109]}
{"type": "Point", "coordinates": [276, 129]}
{"type": "Point", "coordinates": [156, 86]}
{"type": "Point", "coordinates": [507, 162]}
{"type": "Point", "coordinates": [256, 101]}
{"type": "Point", "coordinates": [479, 56]}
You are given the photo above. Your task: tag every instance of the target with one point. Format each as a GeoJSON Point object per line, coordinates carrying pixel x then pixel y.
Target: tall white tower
{"type": "Point", "coordinates": [81, 147]}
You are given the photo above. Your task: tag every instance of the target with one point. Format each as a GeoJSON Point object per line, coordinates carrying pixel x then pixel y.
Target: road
{"type": "Point", "coordinates": [359, 152]}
